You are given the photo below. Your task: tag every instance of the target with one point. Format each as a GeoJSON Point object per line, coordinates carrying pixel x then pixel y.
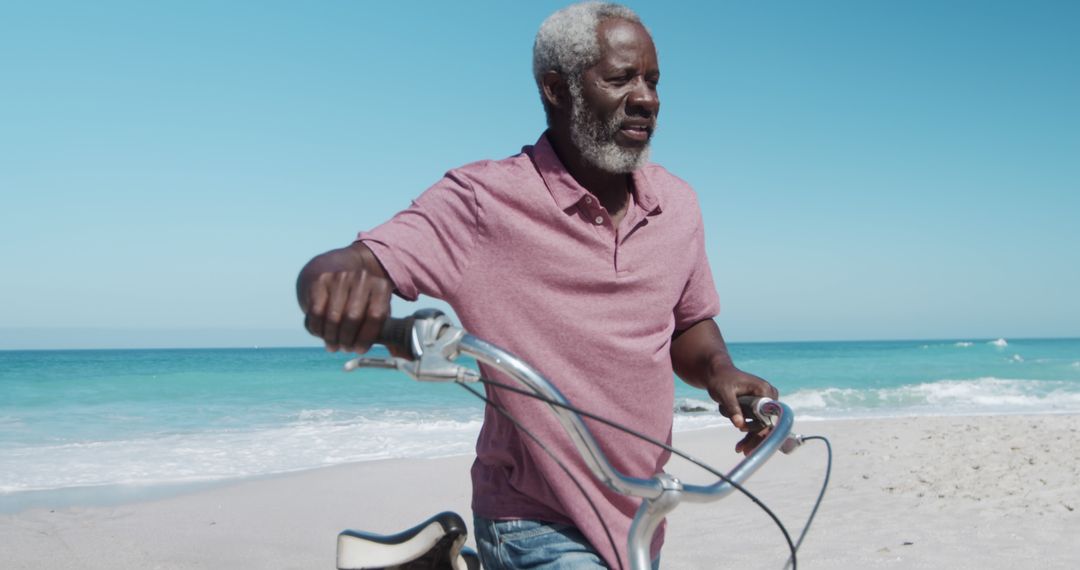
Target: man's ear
{"type": "Point", "coordinates": [556, 93]}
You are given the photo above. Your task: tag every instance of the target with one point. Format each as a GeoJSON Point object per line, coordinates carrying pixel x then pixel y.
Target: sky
{"type": "Point", "coordinates": [866, 169]}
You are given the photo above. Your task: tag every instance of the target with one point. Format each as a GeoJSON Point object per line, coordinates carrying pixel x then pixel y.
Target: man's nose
{"type": "Point", "coordinates": [644, 99]}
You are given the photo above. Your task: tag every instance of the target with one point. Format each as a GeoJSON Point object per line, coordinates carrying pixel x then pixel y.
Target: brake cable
{"type": "Point", "coordinates": [506, 414]}
{"type": "Point", "coordinates": [792, 546]}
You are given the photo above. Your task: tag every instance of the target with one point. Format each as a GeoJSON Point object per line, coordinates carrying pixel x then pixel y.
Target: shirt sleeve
{"type": "Point", "coordinates": [699, 300]}
{"type": "Point", "coordinates": [426, 247]}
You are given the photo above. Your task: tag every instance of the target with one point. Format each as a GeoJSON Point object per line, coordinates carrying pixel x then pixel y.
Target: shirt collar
{"type": "Point", "coordinates": [567, 192]}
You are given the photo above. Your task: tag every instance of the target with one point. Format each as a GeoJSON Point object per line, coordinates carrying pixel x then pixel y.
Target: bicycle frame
{"type": "Point", "coordinates": [436, 343]}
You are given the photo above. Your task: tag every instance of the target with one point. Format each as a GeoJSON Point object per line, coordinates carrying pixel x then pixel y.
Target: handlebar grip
{"type": "Point", "coordinates": [751, 409]}
{"type": "Point", "coordinates": [396, 334]}
{"type": "Point", "coordinates": [746, 405]}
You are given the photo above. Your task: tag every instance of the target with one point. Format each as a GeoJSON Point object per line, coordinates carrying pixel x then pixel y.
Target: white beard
{"type": "Point", "coordinates": [595, 139]}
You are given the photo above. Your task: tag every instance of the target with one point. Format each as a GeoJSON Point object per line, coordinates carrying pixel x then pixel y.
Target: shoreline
{"type": "Point", "coordinates": [965, 491]}
{"type": "Point", "coordinates": [120, 494]}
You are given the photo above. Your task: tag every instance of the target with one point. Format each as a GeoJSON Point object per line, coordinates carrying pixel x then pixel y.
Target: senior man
{"type": "Point", "coordinates": [579, 256]}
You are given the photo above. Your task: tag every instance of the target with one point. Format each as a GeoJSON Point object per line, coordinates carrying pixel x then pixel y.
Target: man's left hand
{"type": "Point", "coordinates": [725, 386]}
{"type": "Point", "coordinates": [699, 356]}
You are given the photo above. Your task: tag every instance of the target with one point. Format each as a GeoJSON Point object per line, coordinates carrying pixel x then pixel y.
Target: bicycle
{"type": "Point", "coordinates": [432, 344]}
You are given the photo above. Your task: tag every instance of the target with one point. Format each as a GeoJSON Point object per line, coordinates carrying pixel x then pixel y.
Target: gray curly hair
{"type": "Point", "coordinates": [566, 42]}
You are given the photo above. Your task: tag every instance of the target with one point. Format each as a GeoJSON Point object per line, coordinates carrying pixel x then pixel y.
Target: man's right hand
{"type": "Point", "coordinates": [345, 296]}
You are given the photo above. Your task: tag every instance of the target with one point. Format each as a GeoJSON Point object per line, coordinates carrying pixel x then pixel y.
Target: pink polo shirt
{"type": "Point", "coordinates": [530, 261]}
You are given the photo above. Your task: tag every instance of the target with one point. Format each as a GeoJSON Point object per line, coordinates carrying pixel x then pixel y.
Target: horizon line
{"type": "Point", "coordinates": [982, 340]}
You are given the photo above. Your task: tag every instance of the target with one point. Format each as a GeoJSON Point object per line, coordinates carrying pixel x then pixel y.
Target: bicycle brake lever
{"type": "Point", "coordinates": [427, 370]}
{"type": "Point", "coordinates": [409, 367]}
{"type": "Point", "coordinates": [368, 362]}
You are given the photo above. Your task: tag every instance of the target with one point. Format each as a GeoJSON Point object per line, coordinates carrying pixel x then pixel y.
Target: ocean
{"type": "Point", "coordinates": [87, 426]}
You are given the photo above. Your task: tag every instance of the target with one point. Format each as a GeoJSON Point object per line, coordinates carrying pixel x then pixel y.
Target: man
{"type": "Point", "coordinates": [580, 257]}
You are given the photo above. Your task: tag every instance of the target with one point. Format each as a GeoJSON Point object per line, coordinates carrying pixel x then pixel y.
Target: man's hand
{"type": "Point", "coordinates": [725, 385]}
{"type": "Point", "coordinates": [345, 296]}
{"type": "Point", "coordinates": [699, 356]}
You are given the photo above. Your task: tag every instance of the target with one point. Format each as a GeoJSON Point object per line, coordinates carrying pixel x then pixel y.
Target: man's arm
{"type": "Point", "coordinates": [700, 357]}
{"type": "Point", "coordinates": [345, 296]}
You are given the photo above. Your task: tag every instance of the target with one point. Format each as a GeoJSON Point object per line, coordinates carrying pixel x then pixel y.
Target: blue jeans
{"type": "Point", "coordinates": [538, 545]}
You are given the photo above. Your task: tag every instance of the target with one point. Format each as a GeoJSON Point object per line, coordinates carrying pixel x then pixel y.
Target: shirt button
{"type": "Point", "coordinates": [599, 220]}
{"type": "Point", "coordinates": [588, 199]}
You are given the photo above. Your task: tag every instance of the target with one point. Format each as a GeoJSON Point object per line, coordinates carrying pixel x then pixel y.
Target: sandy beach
{"type": "Point", "coordinates": [955, 492]}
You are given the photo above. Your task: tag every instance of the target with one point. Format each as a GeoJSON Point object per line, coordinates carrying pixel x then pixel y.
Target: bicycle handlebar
{"type": "Point", "coordinates": [431, 343]}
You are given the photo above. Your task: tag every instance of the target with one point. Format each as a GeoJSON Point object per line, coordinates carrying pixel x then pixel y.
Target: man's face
{"type": "Point", "coordinates": [614, 103]}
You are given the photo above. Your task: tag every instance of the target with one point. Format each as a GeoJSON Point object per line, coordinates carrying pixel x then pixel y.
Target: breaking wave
{"type": "Point", "coordinates": [987, 395]}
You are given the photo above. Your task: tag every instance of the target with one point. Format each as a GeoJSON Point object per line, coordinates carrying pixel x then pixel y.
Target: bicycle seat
{"type": "Point", "coordinates": [435, 544]}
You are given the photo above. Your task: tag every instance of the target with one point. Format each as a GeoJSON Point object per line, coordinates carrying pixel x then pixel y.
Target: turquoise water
{"type": "Point", "coordinates": [152, 418]}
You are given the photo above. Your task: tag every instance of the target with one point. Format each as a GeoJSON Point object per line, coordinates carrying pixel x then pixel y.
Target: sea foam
{"type": "Point", "coordinates": [315, 438]}
{"type": "Point", "coordinates": [942, 397]}
{"type": "Point", "coordinates": [227, 454]}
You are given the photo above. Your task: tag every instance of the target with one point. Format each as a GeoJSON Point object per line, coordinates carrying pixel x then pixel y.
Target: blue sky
{"type": "Point", "coordinates": [867, 170]}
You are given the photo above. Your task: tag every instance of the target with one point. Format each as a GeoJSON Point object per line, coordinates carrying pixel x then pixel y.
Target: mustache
{"type": "Point", "coordinates": [621, 119]}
